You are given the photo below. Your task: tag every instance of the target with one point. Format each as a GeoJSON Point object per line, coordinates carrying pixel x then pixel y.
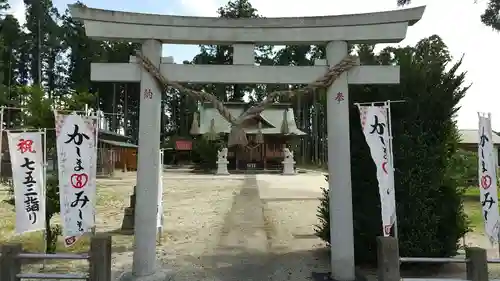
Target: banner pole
{"type": "Point", "coordinates": [159, 218]}
{"type": "Point", "coordinates": [95, 118]}
{"type": "Point", "coordinates": [391, 157]}
{"type": "Point", "coordinates": [494, 164]}
{"type": "Point", "coordinates": [45, 242]}
{"type": "Point", "coordinates": [1, 138]}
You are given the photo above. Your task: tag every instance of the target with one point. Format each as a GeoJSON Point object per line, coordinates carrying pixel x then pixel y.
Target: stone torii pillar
{"type": "Point", "coordinates": [339, 168]}
{"type": "Point", "coordinates": [144, 263]}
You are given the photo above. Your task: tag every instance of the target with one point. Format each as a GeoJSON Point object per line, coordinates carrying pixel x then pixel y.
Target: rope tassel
{"type": "Point", "coordinates": [211, 135]}
{"type": "Point", "coordinates": [259, 137]}
{"type": "Point", "coordinates": [195, 127]}
{"type": "Point", "coordinates": [237, 136]}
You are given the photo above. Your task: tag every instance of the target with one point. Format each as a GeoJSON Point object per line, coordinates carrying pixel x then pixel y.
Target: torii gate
{"type": "Point", "coordinates": [243, 34]}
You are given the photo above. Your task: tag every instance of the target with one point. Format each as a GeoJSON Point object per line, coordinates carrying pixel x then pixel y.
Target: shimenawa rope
{"type": "Point", "coordinates": [237, 136]}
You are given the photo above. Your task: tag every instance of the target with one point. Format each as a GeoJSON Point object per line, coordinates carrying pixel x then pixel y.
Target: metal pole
{"type": "Point", "coordinates": [378, 102]}
{"type": "Point", "coordinates": [391, 157]}
{"type": "Point", "coordinates": [160, 198]}
{"type": "Point", "coordinates": [1, 138]}
{"type": "Point", "coordinates": [39, 70]}
{"type": "Point", "coordinates": [96, 141]}
{"type": "Point", "coordinates": [114, 117]}
{"type": "Point", "coordinates": [45, 164]}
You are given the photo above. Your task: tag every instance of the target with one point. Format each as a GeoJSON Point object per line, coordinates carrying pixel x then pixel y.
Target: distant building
{"type": "Point", "coordinates": [469, 140]}
{"type": "Point", "coordinates": [115, 151]}
{"type": "Point", "coordinates": [267, 133]}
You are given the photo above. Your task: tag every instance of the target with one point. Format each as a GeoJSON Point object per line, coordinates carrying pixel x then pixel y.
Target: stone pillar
{"type": "Point", "coordinates": [339, 170]}
{"type": "Point", "coordinates": [388, 259]}
{"type": "Point", "coordinates": [129, 214]}
{"type": "Point", "coordinates": [147, 171]}
{"type": "Point", "coordinates": [477, 267]}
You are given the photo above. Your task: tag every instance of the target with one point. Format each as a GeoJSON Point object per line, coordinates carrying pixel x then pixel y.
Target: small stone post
{"type": "Point", "coordinates": [129, 214]}
{"type": "Point", "coordinates": [100, 258]}
{"type": "Point", "coordinates": [388, 259]}
{"type": "Point", "coordinates": [477, 266]}
{"type": "Point", "coordinates": [10, 264]}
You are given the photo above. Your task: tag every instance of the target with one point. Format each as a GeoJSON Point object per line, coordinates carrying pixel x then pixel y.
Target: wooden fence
{"type": "Point", "coordinates": [99, 258]}
{"type": "Point", "coordinates": [389, 261]}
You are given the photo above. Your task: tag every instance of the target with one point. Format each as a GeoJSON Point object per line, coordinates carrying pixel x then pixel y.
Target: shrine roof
{"type": "Point", "coordinates": [271, 119]}
{"type": "Point", "coordinates": [119, 143]}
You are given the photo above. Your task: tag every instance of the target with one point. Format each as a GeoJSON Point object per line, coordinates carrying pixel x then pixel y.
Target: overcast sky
{"type": "Point", "coordinates": [456, 21]}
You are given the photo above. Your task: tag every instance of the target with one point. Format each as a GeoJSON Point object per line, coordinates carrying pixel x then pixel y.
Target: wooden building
{"type": "Point", "coordinates": [267, 133]}
{"type": "Point", "coordinates": [115, 151]}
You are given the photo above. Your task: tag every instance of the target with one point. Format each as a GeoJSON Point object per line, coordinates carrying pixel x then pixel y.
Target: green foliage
{"type": "Point", "coordinates": [205, 153]}
{"type": "Point", "coordinates": [322, 229]}
{"type": "Point", "coordinates": [52, 207]}
{"type": "Point", "coordinates": [463, 167]}
{"type": "Point", "coordinates": [431, 219]}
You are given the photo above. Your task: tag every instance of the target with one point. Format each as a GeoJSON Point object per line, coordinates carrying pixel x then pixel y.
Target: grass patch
{"type": "Point", "coordinates": [471, 193]}
{"type": "Point", "coordinates": [473, 208]}
{"type": "Point", "coordinates": [474, 213]}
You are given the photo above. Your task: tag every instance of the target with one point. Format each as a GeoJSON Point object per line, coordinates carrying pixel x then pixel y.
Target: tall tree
{"type": "Point", "coordinates": [223, 54]}
{"type": "Point", "coordinates": [44, 39]}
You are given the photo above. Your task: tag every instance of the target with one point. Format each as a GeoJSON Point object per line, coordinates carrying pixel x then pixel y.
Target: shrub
{"type": "Point", "coordinates": [463, 167]}
{"type": "Point", "coordinates": [205, 153]}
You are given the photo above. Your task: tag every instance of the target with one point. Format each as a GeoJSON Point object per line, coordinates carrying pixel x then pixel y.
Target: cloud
{"type": "Point", "coordinates": [17, 9]}
{"type": "Point", "coordinates": [206, 8]}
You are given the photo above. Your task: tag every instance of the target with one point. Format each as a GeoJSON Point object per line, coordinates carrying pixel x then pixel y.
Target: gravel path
{"type": "Point", "coordinates": [237, 228]}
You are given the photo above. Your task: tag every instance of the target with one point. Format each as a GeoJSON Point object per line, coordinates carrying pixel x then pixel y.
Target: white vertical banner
{"type": "Point", "coordinates": [77, 159]}
{"type": "Point", "coordinates": [159, 209]}
{"type": "Point", "coordinates": [487, 178]}
{"type": "Point", "coordinates": [374, 122]}
{"type": "Point", "coordinates": [26, 156]}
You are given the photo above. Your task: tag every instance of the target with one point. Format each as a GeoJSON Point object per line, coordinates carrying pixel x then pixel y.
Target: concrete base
{"type": "Point", "coordinates": [159, 275]}
{"type": "Point", "coordinates": [288, 168]}
{"type": "Point", "coordinates": [222, 168]}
